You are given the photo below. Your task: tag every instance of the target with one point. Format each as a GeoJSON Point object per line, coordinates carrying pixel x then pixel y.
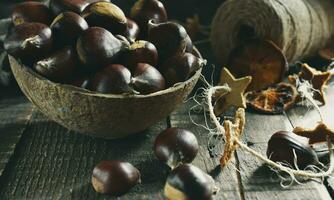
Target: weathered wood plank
{"type": "Point", "coordinates": [54, 163]}
{"type": "Point", "coordinates": [15, 112]}
{"type": "Point", "coordinates": [227, 179]}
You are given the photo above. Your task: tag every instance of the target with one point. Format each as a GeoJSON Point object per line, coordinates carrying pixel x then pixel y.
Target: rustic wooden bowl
{"type": "Point", "coordinates": [108, 116]}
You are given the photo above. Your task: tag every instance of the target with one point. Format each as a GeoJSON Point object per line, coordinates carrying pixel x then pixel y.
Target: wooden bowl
{"type": "Point", "coordinates": [108, 116]}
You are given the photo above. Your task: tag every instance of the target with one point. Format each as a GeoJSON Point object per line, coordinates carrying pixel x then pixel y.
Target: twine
{"type": "Point", "coordinates": [233, 139]}
{"type": "Point", "coordinates": [299, 27]}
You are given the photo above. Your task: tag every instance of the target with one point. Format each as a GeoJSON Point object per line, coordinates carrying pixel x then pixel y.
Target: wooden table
{"type": "Point", "coordinates": [42, 160]}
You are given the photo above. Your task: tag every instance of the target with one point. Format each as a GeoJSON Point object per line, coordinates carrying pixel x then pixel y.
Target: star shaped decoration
{"type": "Point", "coordinates": [319, 134]}
{"type": "Point", "coordinates": [318, 80]}
{"type": "Point", "coordinates": [235, 97]}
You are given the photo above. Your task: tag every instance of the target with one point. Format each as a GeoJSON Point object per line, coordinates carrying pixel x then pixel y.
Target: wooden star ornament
{"type": "Point", "coordinates": [235, 97]}
{"type": "Point", "coordinates": [318, 80]}
{"type": "Point", "coordinates": [319, 134]}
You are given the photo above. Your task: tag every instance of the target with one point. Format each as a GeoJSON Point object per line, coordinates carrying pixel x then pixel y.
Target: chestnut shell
{"type": "Point", "coordinates": [169, 38]}
{"type": "Point", "coordinates": [144, 10]}
{"type": "Point", "coordinates": [113, 79]}
{"type": "Point", "coordinates": [114, 177]}
{"type": "Point", "coordinates": [132, 30]}
{"type": "Point", "coordinates": [59, 6]}
{"type": "Point", "coordinates": [147, 79]}
{"type": "Point", "coordinates": [176, 145]}
{"type": "Point", "coordinates": [281, 146]}
{"type": "Point", "coordinates": [67, 27]}
{"type": "Point", "coordinates": [191, 182]}
{"type": "Point", "coordinates": [97, 47]}
{"type": "Point", "coordinates": [180, 67]}
{"type": "Point", "coordinates": [140, 52]}
{"type": "Point", "coordinates": [29, 42]}
{"type": "Point", "coordinates": [106, 15]}
{"type": "Point", "coordinates": [31, 12]}
{"type": "Point", "coordinates": [59, 66]}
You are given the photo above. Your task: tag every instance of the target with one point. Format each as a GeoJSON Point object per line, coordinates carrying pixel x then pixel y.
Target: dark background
{"type": "Point", "coordinates": [177, 9]}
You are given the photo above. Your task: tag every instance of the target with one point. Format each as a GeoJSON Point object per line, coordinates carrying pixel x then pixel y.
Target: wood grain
{"type": "Point", "coordinates": [15, 113]}
{"type": "Point", "coordinates": [54, 163]}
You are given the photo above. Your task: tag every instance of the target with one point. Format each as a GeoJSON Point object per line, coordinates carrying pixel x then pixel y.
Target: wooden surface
{"type": "Point", "coordinates": [51, 162]}
{"type": "Point", "coordinates": [41, 160]}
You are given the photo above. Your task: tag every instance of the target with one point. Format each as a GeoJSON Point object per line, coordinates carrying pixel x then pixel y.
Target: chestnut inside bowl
{"type": "Point", "coordinates": [108, 116]}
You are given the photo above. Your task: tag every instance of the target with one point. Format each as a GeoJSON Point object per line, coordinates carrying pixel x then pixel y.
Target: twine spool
{"type": "Point", "coordinates": [299, 27]}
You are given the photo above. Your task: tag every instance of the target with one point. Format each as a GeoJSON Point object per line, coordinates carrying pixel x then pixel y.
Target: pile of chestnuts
{"type": "Point", "coordinates": [92, 44]}
{"type": "Point", "coordinates": [175, 147]}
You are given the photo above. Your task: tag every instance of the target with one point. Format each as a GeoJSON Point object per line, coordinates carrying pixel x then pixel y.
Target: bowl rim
{"type": "Point", "coordinates": [86, 92]}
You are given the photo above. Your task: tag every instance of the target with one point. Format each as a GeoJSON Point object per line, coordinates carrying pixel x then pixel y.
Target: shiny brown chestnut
{"type": "Point", "coordinates": [31, 12]}
{"type": "Point", "coordinates": [113, 79]}
{"type": "Point", "coordinates": [114, 177]}
{"type": "Point", "coordinates": [188, 182]}
{"type": "Point", "coordinates": [59, 66]}
{"type": "Point", "coordinates": [67, 27]}
{"type": "Point", "coordinates": [169, 38]}
{"type": "Point", "coordinates": [144, 10]}
{"type": "Point", "coordinates": [180, 67]}
{"type": "Point", "coordinates": [174, 146]}
{"type": "Point", "coordinates": [29, 42]}
{"type": "Point", "coordinates": [283, 144]}
{"type": "Point", "coordinates": [132, 30]}
{"type": "Point", "coordinates": [124, 40]}
{"type": "Point", "coordinates": [147, 79]}
{"type": "Point", "coordinates": [81, 81]}
{"type": "Point", "coordinates": [140, 52]}
{"type": "Point", "coordinates": [59, 6]}
{"type": "Point", "coordinates": [97, 47]}
{"type": "Point", "coordinates": [189, 45]}
{"type": "Point", "coordinates": [106, 15]}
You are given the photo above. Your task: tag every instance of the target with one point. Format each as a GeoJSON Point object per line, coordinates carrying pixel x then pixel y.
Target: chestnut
{"type": "Point", "coordinates": [180, 67]}
{"type": "Point", "coordinates": [97, 47]}
{"type": "Point", "coordinates": [59, 6]}
{"type": "Point", "coordinates": [124, 40]}
{"type": "Point", "coordinates": [189, 45]}
{"type": "Point", "coordinates": [59, 66]}
{"type": "Point", "coordinates": [81, 81]}
{"type": "Point", "coordinates": [144, 10]}
{"type": "Point", "coordinates": [29, 42]}
{"type": "Point", "coordinates": [140, 52]}
{"type": "Point", "coordinates": [106, 15]}
{"type": "Point", "coordinates": [114, 177]}
{"type": "Point", "coordinates": [132, 30]}
{"type": "Point", "coordinates": [67, 27]}
{"type": "Point", "coordinates": [174, 146]}
{"type": "Point", "coordinates": [281, 146]}
{"type": "Point", "coordinates": [147, 79]}
{"type": "Point", "coordinates": [113, 79]}
{"type": "Point", "coordinates": [31, 12]}
{"type": "Point", "coordinates": [189, 182]}
{"type": "Point", "coordinates": [169, 38]}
